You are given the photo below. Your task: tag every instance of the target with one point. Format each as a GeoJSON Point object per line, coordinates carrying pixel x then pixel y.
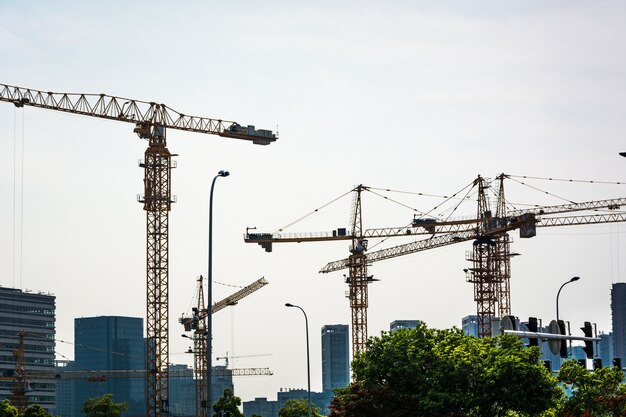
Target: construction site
{"type": "Point", "coordinates": [389, 185]}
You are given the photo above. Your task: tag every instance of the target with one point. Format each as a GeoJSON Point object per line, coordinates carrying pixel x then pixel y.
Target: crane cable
{"type": "Point", "coordinates": [445, 197]}
{"type": "Point", "coordinates": [17, 255]}
{"type": "Point", "coordinates": [313, 212]}
{"type": "Point", "coordinates": [566, 180]}
{"type": "Point", "coordinates": [468, 187]}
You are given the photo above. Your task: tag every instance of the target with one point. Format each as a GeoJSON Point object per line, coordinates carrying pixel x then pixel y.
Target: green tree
{"type": "Point", "coordinates": [7, 410]}
{"type": "Point", "coordinates": [427, 372]}
{"type": "Point", "coordinates": [600, 393]}
{"type": "Point", "coordinates": [227, 405]}
{"type": "Point", "coordinates": [103, 407]}
{"type": "Point", "coordinates": [36, 410]}
{"type": "Point", "coordinates": [298, 408]}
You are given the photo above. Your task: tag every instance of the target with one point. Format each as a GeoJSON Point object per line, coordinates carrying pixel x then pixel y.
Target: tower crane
{"type": "Point", "coordinates": [357, 262]}
{"type": "Point", "coordinates": [19, 397]}
{"type": "Point", "coordinates": [490, 271]}
{"type": "Point", "coordinates": [151, 120]}
{"type": "Point", "coordinates": [197, 323]}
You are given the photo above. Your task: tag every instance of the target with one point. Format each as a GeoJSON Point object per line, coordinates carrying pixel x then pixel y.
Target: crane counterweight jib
{"type": "Point", "coordinates": [258, 136]}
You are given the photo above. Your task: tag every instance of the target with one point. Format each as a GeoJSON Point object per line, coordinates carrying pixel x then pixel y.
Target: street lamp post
{"type": "Point", "coordinates": [209, 324]}
{"type": "Point", "coordinates": [573, 279]}
{"type": "Point", "coordinates": [308, 361]}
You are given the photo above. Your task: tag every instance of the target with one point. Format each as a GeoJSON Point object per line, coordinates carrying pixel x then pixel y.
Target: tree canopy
{"type": "Point", "coordinates": [600, 393]}
{"type": "Point", "coordinates": [7, 409]}
{"type": "Point", "coordinates": [227, 405]}
{"type": "Point", "coordinates": [298, 408]}
{"type": "Point", "coordinates": [103, 407]}
{"type": "Point", "coordinates": [428, 372]}
{"type": "Point", "coordinates": [36, 410]}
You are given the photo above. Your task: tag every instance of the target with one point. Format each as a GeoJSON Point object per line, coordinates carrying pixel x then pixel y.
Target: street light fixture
{"type": "Point", "coordinates": [573, 279]}
{"type": "Point", "coordinates": [209, 334]}
{"type": "Point", "coordinates": [308, 361]}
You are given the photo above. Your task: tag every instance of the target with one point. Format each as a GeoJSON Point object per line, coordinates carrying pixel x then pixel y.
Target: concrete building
{"type": "Point", "coordinates": [111, 343]}
{"type": "Point", "coordinates": [183, 392]}
{"type": "Point", "coordinates": [221, 379]}
{"type": "Point", "coordinates": [618, 315]}
{"type": "Point", "coordinates": [605, 349]}
{"type": "Point", "coordinates": [335, 356]}
{"type": "Point", "coordinates": [403, 324]}
{"type": "Point", "coordinates": [33, 315]}
{"type": "Point", "coordinates": [261, 407]}
{"type": "Point", "coordinates": [320, 400]}
{"type": "Point", "coordinates": [266, 408]}
{"type": "Point", "coordinates": [64, 389]}
{"type": "Point", "coordinates": [469, 325]}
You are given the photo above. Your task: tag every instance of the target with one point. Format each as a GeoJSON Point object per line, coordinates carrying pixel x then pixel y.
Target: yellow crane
{"type": "Point", "coordinates": [197, 322]}
{"type": "Point", "coordinates": [490, 257]}
{"type": "Point", "coordinates": [151, 121]}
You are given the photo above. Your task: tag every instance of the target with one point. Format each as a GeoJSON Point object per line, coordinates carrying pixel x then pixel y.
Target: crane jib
{"type": "Point", "coordinates": [151, 120]}
{"type": "Point", "coordinates": [142, 113]}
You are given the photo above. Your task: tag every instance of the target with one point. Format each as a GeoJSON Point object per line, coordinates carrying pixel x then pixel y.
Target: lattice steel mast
{"type": "Point", "coordinates": [197, 323]}
{"type": "Point", "coordinates": [151, 120]}
{"type": "Point", "coordinates": [483, 258]}
{"type": "Point", "coordinates": [357, 277]}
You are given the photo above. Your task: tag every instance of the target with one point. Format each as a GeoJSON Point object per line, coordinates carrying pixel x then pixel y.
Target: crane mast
{"type": "Point", "coordinates": [484, 257]}
{"type": "Point", "coordinates": [490, 255]}
{"type": "Point", "coordinates": [503, 257]}
{"type": "Point", "coordinates": [197, 323]}
{"type": "Point", "coordinates": [157, 203]}
{"type": "Point", "coordinates": [151, 121]}
{"type": "Point", "coordinates": [357, 277]}
{"type": "Point", "coordinates": [490, 272]}
{"type": "Point", "coordinates": [18, 394]}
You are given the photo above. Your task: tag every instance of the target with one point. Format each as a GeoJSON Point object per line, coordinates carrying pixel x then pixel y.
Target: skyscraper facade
{"type": "Point", "coordinates": [260, 407]}
{"type": "Point", "coordinates": [335, 356]}
{"type": "Point", "coordinates": [605, 348]}
{"type": "Point", "coordinates": [182, 395]}
{"type": "Point", "coordinates": [618, 315]}
{"type": "Point", "coordinates": [469, 324]}
{"type": "Point", "coordinates": [110, 343]}
{"type": "Point", "coordinates": [30, 318]}
{"type": "Point", "coordinates": [403, 324]}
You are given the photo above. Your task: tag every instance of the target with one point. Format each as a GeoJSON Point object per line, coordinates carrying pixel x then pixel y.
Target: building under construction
{"type": "Point", "coordinates": [27, 334]}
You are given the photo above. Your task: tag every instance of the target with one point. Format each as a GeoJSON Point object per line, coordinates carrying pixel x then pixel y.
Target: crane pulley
{"type": "Point", "coordinates": [151, 121]}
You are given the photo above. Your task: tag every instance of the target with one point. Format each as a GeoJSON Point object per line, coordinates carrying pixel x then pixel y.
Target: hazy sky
{"type": "Point", "coordinates": [408, 95]}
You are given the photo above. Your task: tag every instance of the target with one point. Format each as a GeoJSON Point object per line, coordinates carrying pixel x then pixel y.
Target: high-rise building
{"type": "Point", "coordinates": [605, 348]}
{"type": "Point", "coordinates": [29, 317]}
{"type": "Point", "coordinates": [260, 407]}
{"type": "Point", "coordinates": [111, 343]}
{"type": "Point", "coordinates": [182, 396]}
{"type": "Point", "coordinates": [64, 389]}
{"type": "Point", "coordinates": [221, 379]}
{"type": "Point", "coordinates": [469, 324]}
{"type": "Point", "coordinates": [335, 356]}
{"type": "Point", "coordinates": [403, 324]}
{"type": "Point", "coordinates": [618, 315]}
{"type": "Point", "coordinates": [318, 399]}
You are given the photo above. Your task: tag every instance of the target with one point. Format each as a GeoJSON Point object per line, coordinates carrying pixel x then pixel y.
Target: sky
{"type": "Point", "coordinates": [411, 96]}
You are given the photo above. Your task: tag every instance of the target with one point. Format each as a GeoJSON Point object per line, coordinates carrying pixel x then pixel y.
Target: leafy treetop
{"type": "Point", "coordinates": [103, 407]}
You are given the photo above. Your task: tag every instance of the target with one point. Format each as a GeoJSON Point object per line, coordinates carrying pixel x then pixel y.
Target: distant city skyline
{"type": "Point", "coordinates": [117, 343]}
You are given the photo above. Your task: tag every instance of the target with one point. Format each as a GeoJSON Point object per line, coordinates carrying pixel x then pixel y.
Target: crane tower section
{"type": "Point", "coordinates": [151, 120]}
